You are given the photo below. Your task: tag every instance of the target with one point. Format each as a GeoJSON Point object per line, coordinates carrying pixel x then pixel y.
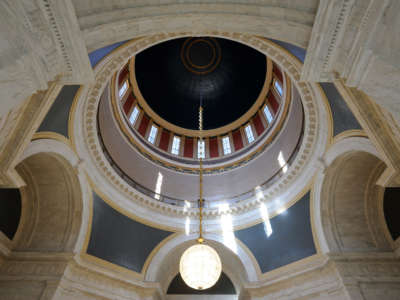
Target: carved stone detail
{"type": "Point", "coordinates": [41, 42]}
{"type": "Point", "coordinates": [360, 48]}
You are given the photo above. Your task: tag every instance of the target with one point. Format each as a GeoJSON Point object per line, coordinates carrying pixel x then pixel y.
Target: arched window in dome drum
{"type": "Point", "coordinates": [249, 133]}
{"type": "Point", "coordinates": [123, 89]}
{"type": "Point", "coordinates": [201, 153]}
{"type": "Point", "coordinates": [153, 134]}
{"type": "Point", "coordinates": [268, 114]}
{"type": "Point", "coordinates": [134, 115]}
{"type": "Point", "coordinates": [278, 87]}
{"type": "Point", "coordinates": [176, 142]}
{"type": "Point", "coordinates": [226, 145]}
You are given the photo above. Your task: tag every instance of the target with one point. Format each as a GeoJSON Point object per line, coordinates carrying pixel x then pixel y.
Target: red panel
{"type": "Point", "coordinates": [278, 73]}
{"type": "Point", "coordinates": [188, 148]}
{"type": "Point", "coordinates": [128, 103]}
{"type": "Point", "coordinates": [164, 140]}
{"type": "Point", "coordinates": [274, 103]}
{"type": "Point", "coordinates": [123, 74]}
{"type": "Point", "coordinates": [144, 123]}
{"type": "Point", "coordinates": [258, 125]}
{"type": "Point", "coordinates": [213, 146]}
{"type": "Point", "coordinates": [237, 140]}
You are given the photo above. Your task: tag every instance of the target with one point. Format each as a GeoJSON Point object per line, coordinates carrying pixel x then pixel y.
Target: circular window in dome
{"type": "Point", "coordinates": [174, 77]}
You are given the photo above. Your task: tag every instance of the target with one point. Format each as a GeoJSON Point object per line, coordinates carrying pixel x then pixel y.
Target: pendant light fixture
{"type": "Point", "coordinates": [200, 265]}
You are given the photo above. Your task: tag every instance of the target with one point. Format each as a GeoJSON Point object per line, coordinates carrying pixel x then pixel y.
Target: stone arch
{"type": "Point", "coordinates": [52, 201]}
{"type": "Point", "coordinates": [349, 209]}
{"type": "Point", "coordinates": [164, 266]}
{"type": "Point", "coordinates": [103, 26]}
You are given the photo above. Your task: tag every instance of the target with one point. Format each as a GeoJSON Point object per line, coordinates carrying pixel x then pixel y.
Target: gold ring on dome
{"type": "Point", "coordinates": [196, 68]}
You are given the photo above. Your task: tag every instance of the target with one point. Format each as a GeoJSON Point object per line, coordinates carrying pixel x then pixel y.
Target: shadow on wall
{"type": "Point", "coordinates": [51, 216]}
{"type": "Point", "coordinates": [224, 286]}
{"type": "Point", "coordinates": [391, 206]}
{"type": "Point", "coordinates": [351, 213]}
{"type": "Point", "coordinates": [10, 211]}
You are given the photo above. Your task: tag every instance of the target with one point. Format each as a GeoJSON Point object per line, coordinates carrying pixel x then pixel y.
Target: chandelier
{"type": "Point", "coordinates": [200, 265]}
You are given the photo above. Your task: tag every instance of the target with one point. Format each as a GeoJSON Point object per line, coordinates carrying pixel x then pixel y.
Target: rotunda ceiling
{"type": "Point", "coordinates": [292, 162]}
{"type": "Point", "coordinates": [174, 75]}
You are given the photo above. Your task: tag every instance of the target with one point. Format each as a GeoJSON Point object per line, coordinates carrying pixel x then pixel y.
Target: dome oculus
{"type": "Point", "coordinates": [200, 55]}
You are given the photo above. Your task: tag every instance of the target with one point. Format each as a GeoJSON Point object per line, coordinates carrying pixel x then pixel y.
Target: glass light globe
{"type": "Point", "coordinates": [200, 266]}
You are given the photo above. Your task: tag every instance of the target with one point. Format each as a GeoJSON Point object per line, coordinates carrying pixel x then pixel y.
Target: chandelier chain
{"type": "Point", "coordinates": [201, 239]}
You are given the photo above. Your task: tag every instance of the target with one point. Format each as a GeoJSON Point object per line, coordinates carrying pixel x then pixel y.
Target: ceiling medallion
{"type": "Point", "coordinates": [201, 55]}
{"type": "Point", "coordinates": [200, 265]}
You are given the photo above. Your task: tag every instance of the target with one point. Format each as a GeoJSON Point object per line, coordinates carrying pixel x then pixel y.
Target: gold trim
{"type": "Point", "coordinates": [312, 218]}
{"type": "Point", "coordinates": [330, 116]}
{"type": "Point", "coordinates": [71, 117]}
{"type": "Point", "coordinates": [110, 266]}
{"type": "Point", "coordinates": [291, 64]}
{"type": "Point", "coordinates": [53, 136]}
{"type": "Point", "coordinates": [194, 133]}
{"type": "Point", "coordinates": [185, 54]}
{"type": "Point", "coordinates": [125, 128]}
{"type": "Point", "coordinates": [324, 97]}
{"type": "Point", "coordinates": [349, 133]}
{"type": "Point", "coordinates": [287, 267]}
{"type": "Point", "coordinates": [249, 254]}
{"type": "Point", "coordinates": [90, 217]}
{"type": "Point", "coordinates": [156, 249]}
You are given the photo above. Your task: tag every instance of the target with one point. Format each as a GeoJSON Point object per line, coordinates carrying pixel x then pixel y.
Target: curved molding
{"type": "Point", "coordinates": [317, 135]}
{"type": "Point", "coordinates": [248, 267]}
{"type": "Point", "coordinates": [341, 147]}
{"type": "Point", "coordinates": [105, 27]}
{"type": "Point", "coordinates": [63, 149]}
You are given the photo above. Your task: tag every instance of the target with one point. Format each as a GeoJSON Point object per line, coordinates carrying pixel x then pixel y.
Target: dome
{"type": "Point", "coordinates": [226, 75]}
{"type": "Point", "coordinates": [255, 146]}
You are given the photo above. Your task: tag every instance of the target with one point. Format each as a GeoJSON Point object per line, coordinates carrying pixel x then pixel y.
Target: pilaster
{"type": "Point", "coordinates": [356, 40]}
{"type": "Point", "coordinates": [380, 127]}
{"type": "Point", "coordinates": [41, 42]}
{"type": "Point", "coordinates": [17, 130]}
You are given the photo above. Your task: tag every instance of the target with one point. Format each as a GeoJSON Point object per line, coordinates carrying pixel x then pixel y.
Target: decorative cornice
{"type": "Point", "coordinates": [325, 39]}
